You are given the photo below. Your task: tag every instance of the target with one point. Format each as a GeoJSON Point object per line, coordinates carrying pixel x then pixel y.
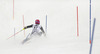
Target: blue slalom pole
{"type": "Point", "coordinates": [46, 25]}
{"type": "Point", "coordinates": [92, 36]}
{"type": "Point", "coordinates": [90, 22]}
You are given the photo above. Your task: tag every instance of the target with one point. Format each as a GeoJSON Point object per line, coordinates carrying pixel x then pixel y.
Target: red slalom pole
{"type": "Point", "coordinates": [23, 24]}
{"type": "Point", "coordinates": [77, 23]}
{"type": "Point", "coordinates": [13, 9]}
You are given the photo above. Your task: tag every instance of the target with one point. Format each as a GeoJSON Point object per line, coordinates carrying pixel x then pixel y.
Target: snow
{"type": "Point", "coordinates": [61, 29]}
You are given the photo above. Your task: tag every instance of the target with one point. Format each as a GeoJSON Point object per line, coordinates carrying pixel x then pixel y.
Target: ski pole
{"type": "Point", "coordinates": [14, 34]}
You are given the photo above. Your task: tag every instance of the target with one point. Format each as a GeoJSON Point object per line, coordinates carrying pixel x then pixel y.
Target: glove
{"type": "Point", "coordinates": [24, 28]}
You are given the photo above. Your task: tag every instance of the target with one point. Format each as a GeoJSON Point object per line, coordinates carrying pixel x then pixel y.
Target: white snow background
{"type": "Point", "coordinates": [61, 29]}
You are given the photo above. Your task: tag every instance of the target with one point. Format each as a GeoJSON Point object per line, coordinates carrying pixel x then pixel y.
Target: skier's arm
{"type": "Point", "coordinates": [28, 26]}
{"type": "Point", "coordinates": [42, 30]}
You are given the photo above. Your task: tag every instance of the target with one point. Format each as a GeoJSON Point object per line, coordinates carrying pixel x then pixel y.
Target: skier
{"type": "Point", "coordinates": [37, 29]}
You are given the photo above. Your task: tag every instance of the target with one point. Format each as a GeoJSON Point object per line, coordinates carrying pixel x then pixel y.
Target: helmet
{"type": "Point", "coordinates": [37, 21]}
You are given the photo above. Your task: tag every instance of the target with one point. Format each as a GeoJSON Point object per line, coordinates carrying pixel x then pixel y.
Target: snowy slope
{"type": "Point", "coordinates": [62, 26]}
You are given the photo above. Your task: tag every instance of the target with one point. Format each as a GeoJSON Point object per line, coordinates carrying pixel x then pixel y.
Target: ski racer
{"type": "Point", "coordinates": [37, 28]}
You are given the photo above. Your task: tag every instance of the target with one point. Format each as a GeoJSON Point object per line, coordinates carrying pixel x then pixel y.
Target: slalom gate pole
{"type": "Point", "coordinates": [46, 25]}
{"type": "Point", "coordinates": [92, 36]}
{"type": "Point", "coordinates": [14, 34]}
{"type": "Point", "coordinates": [90, 23]}
{"type": "Point", "coordinates": [77, 23]}
{"type": "Point", "coordinates": [23, 25]}
{"type": "Point", "coordinates": [13, 9]}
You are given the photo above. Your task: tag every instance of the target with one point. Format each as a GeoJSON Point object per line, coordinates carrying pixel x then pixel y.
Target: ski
{"type": "Point", "coordinates": [26, 39]}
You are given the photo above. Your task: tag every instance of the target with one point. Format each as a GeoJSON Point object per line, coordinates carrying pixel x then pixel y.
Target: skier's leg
{"type": "Point", "coordinates": [28, 36]}
{"type": "Point", "coordinates": [31, 35]}
{"type": "Point", "coordinates": [26, 39]}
